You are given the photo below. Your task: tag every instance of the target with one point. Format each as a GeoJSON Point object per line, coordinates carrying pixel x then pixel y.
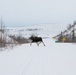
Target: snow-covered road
{"type": "Point", "coordinates": [52, 59]}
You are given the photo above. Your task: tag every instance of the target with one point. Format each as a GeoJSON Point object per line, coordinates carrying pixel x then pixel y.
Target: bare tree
{"type": "Point", "coordinates": [2, 29]}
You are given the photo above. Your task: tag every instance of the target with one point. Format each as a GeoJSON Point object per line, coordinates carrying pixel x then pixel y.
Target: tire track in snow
{"type": "Point", "coordinates": [35, 59]}
{"type": "Point", "coordinates": [40, 59]}
{"type": "Point", "coordinates": [27, 66]}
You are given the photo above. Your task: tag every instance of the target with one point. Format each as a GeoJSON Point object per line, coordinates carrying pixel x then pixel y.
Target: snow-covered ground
{"type": "Point", "coordinates": [44, 30]}
{"type": "Point", "coordinates": [52, 59]}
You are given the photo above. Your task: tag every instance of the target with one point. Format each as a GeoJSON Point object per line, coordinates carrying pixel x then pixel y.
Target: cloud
{"type": "Point", "coordinates": [37, 10]}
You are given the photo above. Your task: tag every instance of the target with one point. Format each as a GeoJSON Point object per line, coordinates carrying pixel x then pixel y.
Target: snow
{"type": "Point", "coordinates": [52, 59]}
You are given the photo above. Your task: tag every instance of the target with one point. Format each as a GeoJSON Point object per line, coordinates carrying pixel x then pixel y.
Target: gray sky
{"type": "Point", "coordinates": [29, 12]}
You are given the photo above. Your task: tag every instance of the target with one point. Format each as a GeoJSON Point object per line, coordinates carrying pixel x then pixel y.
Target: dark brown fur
{"type": "Point", "coordinates": [36, 39]}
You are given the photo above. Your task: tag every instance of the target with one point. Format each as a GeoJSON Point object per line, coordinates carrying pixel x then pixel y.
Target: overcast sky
{"type": "Point", "coordinates": [29, 12]}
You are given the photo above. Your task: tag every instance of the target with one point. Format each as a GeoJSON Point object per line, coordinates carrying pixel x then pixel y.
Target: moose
{"type": "Point", "coordinates": [36, 39]}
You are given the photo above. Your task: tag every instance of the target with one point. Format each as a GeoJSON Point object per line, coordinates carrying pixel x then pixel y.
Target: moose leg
{"type": "Point", "coordinates": [43, 43]}
{"type": "Point", "coordinates": [39, 42]}
{"type": "Point", "coordinates": [30, 43]}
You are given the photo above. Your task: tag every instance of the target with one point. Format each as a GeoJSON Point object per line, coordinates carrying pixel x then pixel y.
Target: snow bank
{"type": "Point", "coordinates": [52, 59]}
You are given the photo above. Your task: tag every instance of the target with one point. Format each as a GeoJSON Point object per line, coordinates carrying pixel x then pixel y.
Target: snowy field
{"type": "Point", "coordinates": [52, 59]}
